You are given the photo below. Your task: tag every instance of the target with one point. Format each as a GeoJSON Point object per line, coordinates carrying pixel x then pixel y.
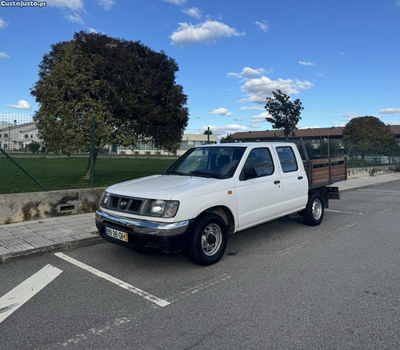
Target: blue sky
{"type": "Point", "coordinates": [341, 58]}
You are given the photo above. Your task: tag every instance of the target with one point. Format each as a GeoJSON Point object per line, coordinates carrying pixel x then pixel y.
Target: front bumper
{"type": "Point", "coordinates": [146, 235]}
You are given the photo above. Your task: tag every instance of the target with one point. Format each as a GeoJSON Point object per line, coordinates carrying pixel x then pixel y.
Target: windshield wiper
{"type": "Point", "coordinates": [199, 172]}
{"type": "Point", "coordinates": [175, 173]}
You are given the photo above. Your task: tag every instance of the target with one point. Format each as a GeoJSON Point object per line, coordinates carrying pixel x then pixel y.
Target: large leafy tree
{"type": "Point", "coordinates": [285, 114]}
{"type": "Point", "coordinates": [368, 134]}
{"type": "Point", "coordinates": [128, 88]}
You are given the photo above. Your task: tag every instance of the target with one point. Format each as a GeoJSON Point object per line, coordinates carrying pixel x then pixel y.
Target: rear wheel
{"type": "Point", "coordinates": [314, 212]}
{"type": "Point", "coordinates": [209, 239]}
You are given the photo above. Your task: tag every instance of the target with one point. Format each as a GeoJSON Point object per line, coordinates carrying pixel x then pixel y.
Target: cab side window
{"type": "Point", "coordinates": [287, 159]}
{"type": "Point", "coordinates": [260, 159]}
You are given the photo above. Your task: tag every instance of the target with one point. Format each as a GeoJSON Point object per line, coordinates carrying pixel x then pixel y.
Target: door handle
{"type": "Point", "coordinates": [277, 182]}
{"type": "Point", "coordinates": [300, 178]}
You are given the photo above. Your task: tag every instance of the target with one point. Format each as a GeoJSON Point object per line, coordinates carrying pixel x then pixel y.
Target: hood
{"type": "Point", "coordinates": [162, 186]}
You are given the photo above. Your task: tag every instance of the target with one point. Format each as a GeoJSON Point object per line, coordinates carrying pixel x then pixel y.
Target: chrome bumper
{"type": "Point", "coordinates": [146, 227]}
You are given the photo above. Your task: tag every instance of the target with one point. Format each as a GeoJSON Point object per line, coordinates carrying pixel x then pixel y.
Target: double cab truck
{"type": "Point", "coordinates": [214, 191]}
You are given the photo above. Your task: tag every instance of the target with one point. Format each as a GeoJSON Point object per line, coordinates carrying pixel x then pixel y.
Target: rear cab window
{"type": "Point", "coordinates": [287, 159]}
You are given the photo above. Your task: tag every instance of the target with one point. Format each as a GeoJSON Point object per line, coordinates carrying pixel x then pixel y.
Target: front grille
{"type": "Point", "coordinates": [114, 201]}
{"type": "Point", "coordinates": [135, 205]}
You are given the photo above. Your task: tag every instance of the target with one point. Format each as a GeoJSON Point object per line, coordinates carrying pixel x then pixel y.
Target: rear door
{"type": "Point", "coordinates": [293, 177]}
{"type": "Point", "coordinates": [259, 198]}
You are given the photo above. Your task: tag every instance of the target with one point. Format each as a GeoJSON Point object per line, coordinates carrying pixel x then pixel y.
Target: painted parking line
{"type": "Point", "coordinates": [342, 212]}
{"type": "Point", "coordinates": [345, 227]}
{"type": "Point", "coordinates": [17, 297]}
{"type": "Point", "coordinates": [118, 282]}
{"type": "Point", "coordinates": [388, 191]}
{"type": "Point", "coordinates": [292, 248]}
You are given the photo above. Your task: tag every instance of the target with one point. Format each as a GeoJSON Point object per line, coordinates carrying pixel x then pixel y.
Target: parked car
{"type": "Point", "coordinates": [214, 191]}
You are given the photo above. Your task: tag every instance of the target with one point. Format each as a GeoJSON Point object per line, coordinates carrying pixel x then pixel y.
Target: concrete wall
{"type": "Point", "coordinates": [371, 171]}
{"type": "Point", "coordinates": [39, 205]}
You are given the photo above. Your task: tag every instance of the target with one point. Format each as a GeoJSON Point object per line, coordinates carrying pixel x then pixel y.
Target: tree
{"type": "Point", "coordinates": [33, 147]}
{"type": "Point", "coordinates": [207, 132]}
{"type": "Point", "coordinates": [128, 88]}
{"type": "Point", "coordinates": [285, 114]}
{"type": "Point", "coordinates": [368, 134]}
{"type": "Point", "coordinates": [227, 139]}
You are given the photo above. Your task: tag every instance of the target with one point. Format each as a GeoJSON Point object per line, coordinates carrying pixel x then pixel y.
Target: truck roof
{"type": "Point", "coordinates": [248, 144]}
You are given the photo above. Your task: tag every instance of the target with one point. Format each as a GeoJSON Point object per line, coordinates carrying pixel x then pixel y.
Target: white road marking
{"type": "Point", "coordinates": [384, 211]}
{"type": "Point", "coordinates": [290, 249]}
{"type": "Point", "coordinates": [118, 282]}
{"type": "Point", "coordinates": [343, 212]}
{"type": "Point", "coordinates": [389, 191]}
{"type": "Point", "coordinates": [17, 297]}
{"type": "Point", "coordinates": [198, 288]}
{"type": "Point", "coordinates": [341, 228]}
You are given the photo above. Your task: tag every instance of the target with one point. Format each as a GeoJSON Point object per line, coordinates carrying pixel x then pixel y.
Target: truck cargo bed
{"type": "Point", "coordinates": [325, 171]}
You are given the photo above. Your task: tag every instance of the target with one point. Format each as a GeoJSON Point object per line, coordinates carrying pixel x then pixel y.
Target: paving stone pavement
{"type": "Point", "coordinates": [33, 237]}
{"type": "Point", "coordinates": [67, 232]}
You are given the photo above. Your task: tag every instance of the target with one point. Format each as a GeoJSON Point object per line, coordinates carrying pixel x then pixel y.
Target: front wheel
{"type": "Point", "coordinates": [209, 240]}
{"type": "Point", "coordinates": [314, 211]}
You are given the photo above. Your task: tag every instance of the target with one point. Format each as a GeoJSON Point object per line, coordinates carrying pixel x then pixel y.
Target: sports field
{"type": "Point", "coordinates": [67, 173]}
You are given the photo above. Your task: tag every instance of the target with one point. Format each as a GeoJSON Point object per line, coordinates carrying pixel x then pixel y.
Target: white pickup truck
{"type": "Point", "coordinates": [214, 191]}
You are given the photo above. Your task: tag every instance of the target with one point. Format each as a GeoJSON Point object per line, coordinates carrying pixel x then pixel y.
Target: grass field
{"type": "Point", "coordinates": [67, 173]}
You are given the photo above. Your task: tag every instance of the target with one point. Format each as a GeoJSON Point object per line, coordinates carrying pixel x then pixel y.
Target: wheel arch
{"type": "Point", "coordinates": [225, 213]}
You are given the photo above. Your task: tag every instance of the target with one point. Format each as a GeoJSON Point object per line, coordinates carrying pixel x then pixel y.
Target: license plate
{"type": "Point", "coordinates": [122, 236]}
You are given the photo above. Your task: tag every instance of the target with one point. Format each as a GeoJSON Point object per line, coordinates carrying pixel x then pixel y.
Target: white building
{"type": "Point", "coordinates": [147, 148]}
{"type": "Point", "coordinates": [15, 137]}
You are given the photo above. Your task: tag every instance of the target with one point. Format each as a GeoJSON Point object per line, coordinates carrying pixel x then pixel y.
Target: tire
{"type": "Point", "coordinates": [205, 251]}
{"type": "Point", "coordinates": [314, 211]}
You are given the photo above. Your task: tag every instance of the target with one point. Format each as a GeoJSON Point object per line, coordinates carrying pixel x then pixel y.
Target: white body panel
{"type": "Point", "coordinates": [251, 202]}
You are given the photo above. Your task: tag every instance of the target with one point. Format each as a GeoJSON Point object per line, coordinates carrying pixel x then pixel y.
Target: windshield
{"type": "Point", "coordinates": [217, 162]}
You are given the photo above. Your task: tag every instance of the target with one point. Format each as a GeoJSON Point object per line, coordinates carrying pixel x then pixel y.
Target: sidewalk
{"type": "Point", "coordinates": [68, 232]}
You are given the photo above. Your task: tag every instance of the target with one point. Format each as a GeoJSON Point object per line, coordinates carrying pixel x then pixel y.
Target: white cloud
{"type": "Point", "coordinates": [238, 119]}
{"type": "Point", "coordinates": [3, 24]}
{"type": "Point", "coordinates": [251, 108]}
{"type": "Point", "coordinates": [221, 111]}
{"type": "Point", "coordinates": [106, 4]}
{"type": "Point", "coordinates": [222, 131]}
{"type": "Point", "coordinates": [176, 2]}
{"type": "Point", "coordinates": [343, 119]}
{"type": "Point", "coordinates": [92, 30]}
{"type": "Point", "coordinates": [260, 118]}
{"type": "Point", "coordinates": [389, 110]}
{"type": "Point", "coordinates": [194, 12]}
{"type": "Point", "coordinates": [21, 105]}
{"type": "Point", "coordinates": [75, 5]}
{"type": "Point", "coordinates": [303, 63]}
{"type": "Point", "coordinates": [260, 88]}
{"type": "Point", "coordinates": [254, 125]}
{"type": "Point", "coordinates": [74, 18]}
{"type": "Point", "coordinates": [198, 117]}
{"type": "Point", "coordinates": [342, 53]}
{"type": "Point", "coordinates": [262, 25]}
{"type": "Point", "coordinates": [3, 55]}
{"type": "Point", "coordinates": [398, 3]}
{"type": "Point", "coordinates": [206, 32]}
{"type": "Point", "coordinates": [248, 72]}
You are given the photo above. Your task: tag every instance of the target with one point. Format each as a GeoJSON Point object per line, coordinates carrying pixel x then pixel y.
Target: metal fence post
{"type": "Point", "coordinates": [92, 152]}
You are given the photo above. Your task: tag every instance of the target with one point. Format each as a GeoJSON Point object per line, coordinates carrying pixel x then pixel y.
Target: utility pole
{"type": "Point", "coordinates": [208, 135]}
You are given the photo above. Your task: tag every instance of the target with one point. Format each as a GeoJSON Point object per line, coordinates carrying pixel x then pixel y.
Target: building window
{"type": "Point", "coordinates": [26, 136]}
{"type": "Point", "coordinates": [31, 136]}
{"type": "Point", "coordinates": [5, 135]}
{"type": "Point", "coordinates": [5, 146]}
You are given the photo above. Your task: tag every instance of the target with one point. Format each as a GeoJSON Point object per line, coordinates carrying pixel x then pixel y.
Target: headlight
{"type": "Point", "coordinates": [166, 209]}
{"type": "Point", "coordinates": [104, 198]}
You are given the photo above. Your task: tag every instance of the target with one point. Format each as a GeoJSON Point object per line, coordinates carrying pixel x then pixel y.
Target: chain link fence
{"type": "Point", "coordinates": [28, 164]}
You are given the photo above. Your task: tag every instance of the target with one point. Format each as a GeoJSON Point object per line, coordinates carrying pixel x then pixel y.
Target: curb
{"type": "Point", "coordinates": [368, 185]}
{"type": "Point", "coordinates": [8, 257]}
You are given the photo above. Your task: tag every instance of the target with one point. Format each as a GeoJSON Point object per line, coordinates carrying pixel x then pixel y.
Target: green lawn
{"type": "Point", "coordinates": [67, 173]}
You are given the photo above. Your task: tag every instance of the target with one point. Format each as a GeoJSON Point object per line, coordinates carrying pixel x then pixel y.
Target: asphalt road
{"type": "Point", "coordinates": [281, 285]}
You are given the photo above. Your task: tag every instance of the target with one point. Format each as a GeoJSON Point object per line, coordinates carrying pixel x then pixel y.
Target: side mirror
{"type": "Point", "coordinates": [249, 173]}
